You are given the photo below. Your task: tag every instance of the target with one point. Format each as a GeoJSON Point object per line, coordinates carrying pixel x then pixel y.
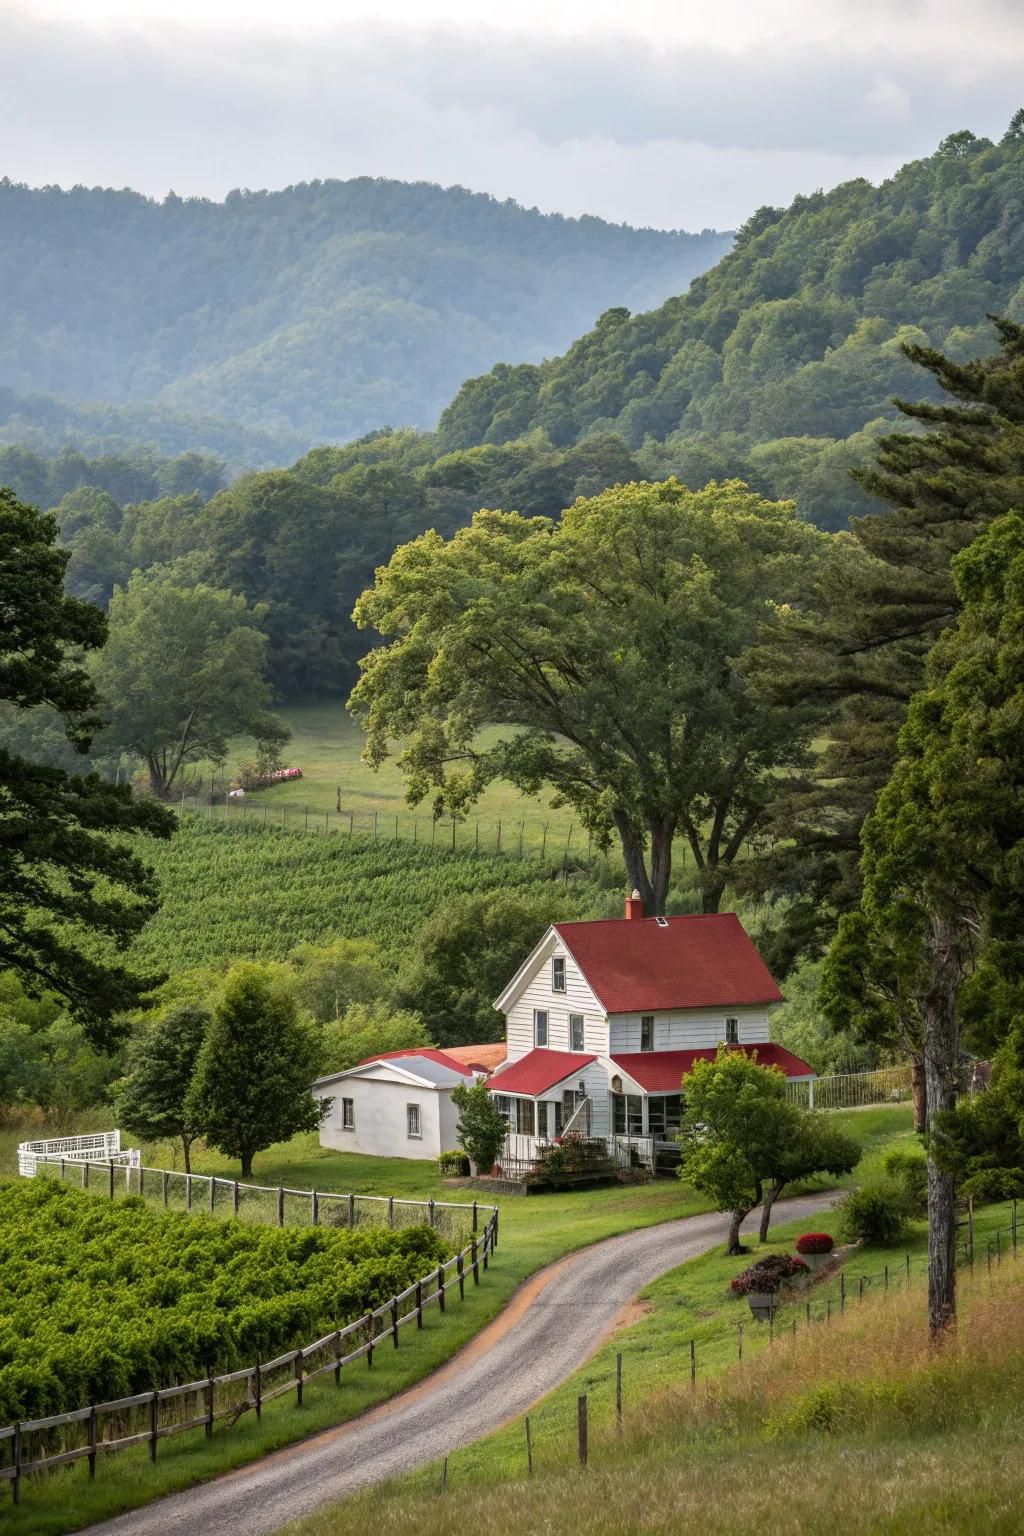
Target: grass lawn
{"type": "Point", "coordinates": [534, 1232]}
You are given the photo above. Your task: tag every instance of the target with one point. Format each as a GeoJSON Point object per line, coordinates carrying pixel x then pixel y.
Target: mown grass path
{"type": "Point", "coordinates": [553, 1323]}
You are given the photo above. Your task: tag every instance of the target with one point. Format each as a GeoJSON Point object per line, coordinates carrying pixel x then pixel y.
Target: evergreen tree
{"type": "Point", "coordinates": [65, 882]}
{"type": "Point", "coordinates": [253, 1074]}
{"type": "Point", "coordinates": [150, 1102]}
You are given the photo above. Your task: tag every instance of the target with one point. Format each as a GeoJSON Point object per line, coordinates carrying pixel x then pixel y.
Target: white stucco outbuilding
{"type": "Point", "coordinates": [400, 1104]}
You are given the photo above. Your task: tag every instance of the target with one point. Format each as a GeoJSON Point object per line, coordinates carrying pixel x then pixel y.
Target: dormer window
{"type": "Point", "coordinates": [647, 1032]}
{"type": "Point", "coordinates": [558, 973]}
{"type": "Point", "coordinates": [732, 1031]}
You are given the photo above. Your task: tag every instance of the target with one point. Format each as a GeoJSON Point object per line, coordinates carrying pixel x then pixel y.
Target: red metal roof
{"type": "Point", "coordinates": [429, 1053]}
{"type": "Point", "coordinates": [663, 1071]}
{"type": "Point", "coordinates": [538, 1071]}
{"type": "Point", "coordinates": [691, 962]}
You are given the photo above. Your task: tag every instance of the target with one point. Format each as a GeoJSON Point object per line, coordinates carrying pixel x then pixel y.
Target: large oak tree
{"type": "Point", "coordinates": [609, 648]}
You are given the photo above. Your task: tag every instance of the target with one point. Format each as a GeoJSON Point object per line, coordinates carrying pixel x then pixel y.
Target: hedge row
{"type": "Point", "coordinates": [103, 1301]}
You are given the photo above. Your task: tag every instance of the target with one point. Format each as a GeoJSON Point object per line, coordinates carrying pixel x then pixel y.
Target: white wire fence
{"type": "Point", "coordinates": [852, 1090]}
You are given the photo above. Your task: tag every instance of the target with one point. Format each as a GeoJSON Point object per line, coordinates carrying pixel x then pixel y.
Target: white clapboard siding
{"type": "Point", "coordinates": [692, 1030]}
{"type": "Point", "coordinates": [577, 998]}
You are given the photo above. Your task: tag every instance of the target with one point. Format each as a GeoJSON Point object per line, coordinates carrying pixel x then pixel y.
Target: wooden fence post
{"type": "Point", "coordinates": [430, 1211]}
{"type": "Point", "coordinates": [369, 1340]}
{"type": "Point", "coordinates": [475, 1215]}
{"type": "Point", "coordinates": [234, 1198]}
{"type": "Point", "coordinates": [351, 1211]}
{"type": "Point", "coordinates": [860, 1296]}
{"type": "Point", "coordinates": [419, 1303]}
{"type": "Point", "coordinates": [188, 1191]}
{"type": "Point", "coordinates": [16, 1480]}
{"type": "Point", "coordinates": [163, 1187]}
{"type": "Point", "coordinates": [154, 1422]}
{"type": "Point", "coordinates": [618, 1390]}
{"type": "Point", "coordinates": [391, 1211]}
{"type": "Point", "coordinates": [314, 1201]}
{"type": "Point", "coordinates": [739, 1342]}
{"type": "Point", "coordinates": [298, 1378]}
{"type": "Point", "coordinates": [280, 1206]}
{"type": "Point", "coordinates": [693, 1363]}
{"type": "Point", "coordinates": [85, 1175]}
{"type": "Point", "coordinates": [209, 1407]}
{"type": "Point", "coordinates": [110, 1174]}
{"type": "Point", "coordinates": [394, 1321]}
{"type": "Point", "coordinates": [92, 1442]}
{"type": "Point", "coordinates": [529, 1449]}
{"type": "Point", "coordinates": [63, 1171]}
{"type": "Point", "coordinates": [474, 1262]}
{"type": "Point", "coordinates": [257, 1388]}
{"type": "Point", "coordinates": [213, 1193]}
{"type": "Point", "coordinates": [885, 1282]}
{"type": "Point", "coordinates": [460, 1270]}
{"type": "Point", "coordinates": [581, 1427]}
{"type": "Point", "coordinates": [440, 1286]}
{"type": "Point", "coordinates": [337, 1358]}
{"type": "Point", "coordinates": [908, 1262]}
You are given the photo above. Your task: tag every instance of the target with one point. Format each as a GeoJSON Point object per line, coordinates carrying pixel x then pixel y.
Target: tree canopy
{"type": "Point", "coordinates": [610, 646]}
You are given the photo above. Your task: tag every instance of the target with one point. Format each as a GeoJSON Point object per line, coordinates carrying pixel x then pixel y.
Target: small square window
{"type": "Point", "coordinates": [558, 973]}
{"type": "Point", "coordinates": [576, 1032]}
{"type": "Point", "coordinates": [348, 1115]}
{"type": "Point", "coordinates": [412, 1121]}
{"type": "Point", "coordinates": [540, 1027]}
{"type": "Point", "coordinates": [732, 1031]}
{"type": "Point", "coordinates": [647, 1032]}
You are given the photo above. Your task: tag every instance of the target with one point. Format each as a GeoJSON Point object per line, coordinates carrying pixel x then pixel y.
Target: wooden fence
{"type": "Point", "coordinates": [146, 1418]}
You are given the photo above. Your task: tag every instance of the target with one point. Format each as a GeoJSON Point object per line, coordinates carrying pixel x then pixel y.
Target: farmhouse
{"type": "Point", "coordinates": [604, 1019]}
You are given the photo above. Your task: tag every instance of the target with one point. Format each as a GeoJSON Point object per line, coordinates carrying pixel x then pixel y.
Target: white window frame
{"type": "Point", "coordinates": [542, 1117]}
{"type": "Point", "coordinates": [732, 1031]}
{"type": "Point", "coordinates": [574, 1019]}
{"type": "Point", "coordinates": [646, 1021]}
{"type": "Point", "coordinates": [410, 1111]}
{"type": "Point", "coordinates": [348, 1114]}
{"type": "Point", "coordinates": [538, 1014]}
{"type": "Point", "coordinates": [558, 978]}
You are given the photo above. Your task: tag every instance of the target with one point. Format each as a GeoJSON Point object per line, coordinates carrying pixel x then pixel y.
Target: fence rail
{"type": "Point", "coordinates": [852, 1090]}
{"type": "Point", "coordinates": [40, 1445]}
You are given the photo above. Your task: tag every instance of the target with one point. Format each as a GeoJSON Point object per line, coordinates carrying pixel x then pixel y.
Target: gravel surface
{"type": "Point", "coordinates": [548, 1330]}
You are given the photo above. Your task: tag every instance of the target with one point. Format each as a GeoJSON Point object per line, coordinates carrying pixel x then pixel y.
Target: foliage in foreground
{"type": "Point", "coordinates": [105, 1300]}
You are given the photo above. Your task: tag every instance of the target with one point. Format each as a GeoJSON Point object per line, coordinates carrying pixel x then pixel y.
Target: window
{"type": "Point", "coordinates": [732, 1031]}
{"type": "Point", "coordinates": [524, 1117]}
{"type": "Point", "coordinates": [412, 1122]}
{"type": "Point", "coordinates": [628, 1114]}
{"type": "Point", "coordinates": [348, 1115]}
{"type": "Point", "coordinates": [558, 1117]}
{"type": "Point", "coordinates": [540, 1026]}
{"type": "Point", "coordinates": [647, 1032]}
{"type": "Point", "coordinates": [665, 1115]}
{"type": "Point", "coordinates": [662, 922]}
{"type": "Point", "coordinates": [575, 1031]}
{"type": "Point", "coordinates": [558, 973]}
{"type": "Point", "coordinates": [542, 1118]}
{"type": "Point", "coordinates": [504, 1105]}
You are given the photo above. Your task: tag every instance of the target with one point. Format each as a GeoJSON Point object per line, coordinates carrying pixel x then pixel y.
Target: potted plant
{"type": "Point", "coordinates": [761, 1283]}
{"type": "Point", "coordinates": [815, 1248]}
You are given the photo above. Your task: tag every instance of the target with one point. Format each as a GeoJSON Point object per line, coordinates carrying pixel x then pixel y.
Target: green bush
{"type": "Point", "coordinates": [878, 1213]}
{"type": "Point", "coordinates": [908, 1167]}
{"type": "Point", "coordinates": [453, 1165]}
{"type": "Point", "coordinates": [994, 1184]}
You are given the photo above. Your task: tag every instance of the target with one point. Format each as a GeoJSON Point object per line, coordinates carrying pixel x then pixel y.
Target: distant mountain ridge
{"type": "Point", "coordinates": [318, 312]}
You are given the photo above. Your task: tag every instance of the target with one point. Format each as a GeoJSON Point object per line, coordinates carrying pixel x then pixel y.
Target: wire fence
{"type": "Point", "coordinates": [146, 1418]}
{"type": "Point", "coordinates": [785, 1321]}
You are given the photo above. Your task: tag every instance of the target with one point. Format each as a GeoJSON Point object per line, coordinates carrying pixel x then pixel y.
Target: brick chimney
{"type": "Point", "coordinates": [634, 906]}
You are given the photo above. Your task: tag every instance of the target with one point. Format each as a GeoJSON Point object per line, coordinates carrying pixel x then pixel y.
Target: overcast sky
{"type": "Point", "coordinates": [676, 113]}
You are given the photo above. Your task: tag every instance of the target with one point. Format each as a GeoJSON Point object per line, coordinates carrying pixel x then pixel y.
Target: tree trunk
{"type": "Point", "coordinates": [734, 1246]}
{"type": "Point", "coordinates": [247, 1165]}
{"type": "Point", "coordinates": [771, 1195]}
{"type": "Point", "coordinates": [662, 833]}
{"type": "Point", "coordinates": [712, 886]}
{"type": "Point", "coordinates": [941, 1059]}
{"type": "Point", "coordinates": [186, 1142]}
{"type": "Point", "coordinates": [919, 1092]}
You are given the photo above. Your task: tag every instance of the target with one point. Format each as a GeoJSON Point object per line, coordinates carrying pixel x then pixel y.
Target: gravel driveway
{"type": "Point", "coordinates": [550, 1327]}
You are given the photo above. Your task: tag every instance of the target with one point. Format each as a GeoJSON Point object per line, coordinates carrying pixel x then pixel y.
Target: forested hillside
{"type": "Point", "coordinates": [325, 309]}
{"type": "Point", "coordinates": [779, 362]}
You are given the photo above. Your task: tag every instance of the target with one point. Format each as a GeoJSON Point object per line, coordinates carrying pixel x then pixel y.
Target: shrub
{"type": "Point", "coordinates": [909, 1167]}
{"type": "Point", "coordinates": [991, 1184]}
{"type": "Point", "coordinates": [481, 1129]}
{"type": "Point", "coordinates": [878, 1213]}
{"type": "Point", "coordinates": [454, 1164]}
{"type": "Point", "coordinates": [815, 1242]}
{"type": "Point", "coordinates": [768, 1275]}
